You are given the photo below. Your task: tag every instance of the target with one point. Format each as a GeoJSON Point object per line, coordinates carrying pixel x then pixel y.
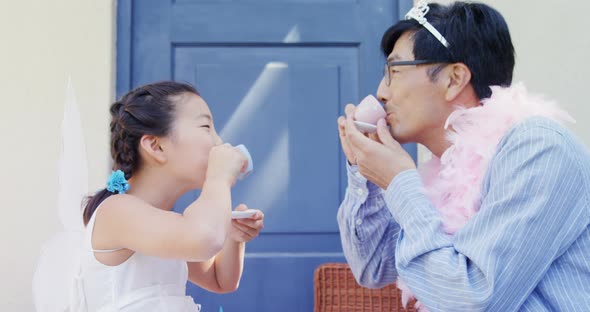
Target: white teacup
{"type": "Point", "coordinates": [367, 113]}
{"type": "Point", "coordinates": [250, 167]}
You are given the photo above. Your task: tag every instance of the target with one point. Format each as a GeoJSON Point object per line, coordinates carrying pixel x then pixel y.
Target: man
{"type": "Point", "coordinates": [499, 219]}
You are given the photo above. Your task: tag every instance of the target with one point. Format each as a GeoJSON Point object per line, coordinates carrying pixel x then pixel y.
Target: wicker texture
{"type": "Point", "coordinates": [336, 290]}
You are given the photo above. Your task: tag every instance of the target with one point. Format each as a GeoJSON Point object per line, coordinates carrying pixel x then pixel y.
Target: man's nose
{"type": "Point", "coordinates": [383, 92]}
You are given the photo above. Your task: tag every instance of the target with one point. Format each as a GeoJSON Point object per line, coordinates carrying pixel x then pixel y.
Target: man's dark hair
{"type": "Point", "coordinates": [478, 36]}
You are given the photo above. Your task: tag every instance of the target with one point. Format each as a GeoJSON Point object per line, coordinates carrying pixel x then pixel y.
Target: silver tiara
{"type": "Point", "coordinates": [418, 12]}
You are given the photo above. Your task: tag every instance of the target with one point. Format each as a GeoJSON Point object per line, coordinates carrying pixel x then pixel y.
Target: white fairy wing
{"type": "Point", "coordinates": [57, 266]}
{"type": "Point", "coordinates": [59, 260]}
{"type": "Point", "coordinates": [73, 167]}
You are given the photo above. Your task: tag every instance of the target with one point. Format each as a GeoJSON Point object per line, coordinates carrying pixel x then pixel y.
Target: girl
{"type": "Point", "coordinates": [139, 254]}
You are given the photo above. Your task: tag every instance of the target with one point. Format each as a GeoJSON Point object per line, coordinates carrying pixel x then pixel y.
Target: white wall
{"type": "Point", "coordinates": [552, 49]}
{"type": "Point", "coordinates": [44, 42]}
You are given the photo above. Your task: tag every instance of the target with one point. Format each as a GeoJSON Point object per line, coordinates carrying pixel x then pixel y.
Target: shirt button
{"type": "Point", "coordinates": [359, 221]}
{"type": "Point", "coordinates": [359, 192]}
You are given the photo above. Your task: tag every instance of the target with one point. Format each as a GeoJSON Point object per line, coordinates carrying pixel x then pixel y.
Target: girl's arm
{"type": "Point", "coordinates": [222, 273]}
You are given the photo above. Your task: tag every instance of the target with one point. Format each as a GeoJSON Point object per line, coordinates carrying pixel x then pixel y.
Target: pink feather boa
{"type": "Point", "coordinates": [453, 182]}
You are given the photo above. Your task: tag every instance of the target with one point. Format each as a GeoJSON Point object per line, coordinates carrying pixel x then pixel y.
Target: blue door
{"type": "Point", "coordinates": [276, 74]}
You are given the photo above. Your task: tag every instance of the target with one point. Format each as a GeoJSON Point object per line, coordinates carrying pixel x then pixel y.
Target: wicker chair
{"type": "Point", "coordinates": [336, 290]}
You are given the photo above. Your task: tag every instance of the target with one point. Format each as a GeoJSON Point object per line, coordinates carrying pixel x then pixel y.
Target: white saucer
{"type": "Point", "coordinates": [243, 214]}
{"type": "Point", "coordinates": [365, 127]}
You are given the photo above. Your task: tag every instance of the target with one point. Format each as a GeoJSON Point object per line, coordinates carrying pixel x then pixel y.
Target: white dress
{"type": "Point", "coordinates": [142, 283]}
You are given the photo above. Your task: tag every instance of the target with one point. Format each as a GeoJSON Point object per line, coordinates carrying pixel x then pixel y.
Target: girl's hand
{"type": "Point", "coordinates": [225, 163]}
{"type": "Point", "coordinates": [244, 230]}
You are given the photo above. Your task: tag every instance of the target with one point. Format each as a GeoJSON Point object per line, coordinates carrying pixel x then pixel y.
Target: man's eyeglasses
{"type": "Point", "coordinates": [388, 65]}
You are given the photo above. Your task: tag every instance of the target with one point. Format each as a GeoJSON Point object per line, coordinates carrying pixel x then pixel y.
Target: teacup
{"type": "Point", "coordinates": [250, 167]}
{"type": "Point", "coordinates": [367, 113]}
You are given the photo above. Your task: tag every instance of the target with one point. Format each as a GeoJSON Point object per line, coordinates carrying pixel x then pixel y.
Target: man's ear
{"type": "Point", "coordinates": [152, 147]}
{"type": "Point", "coordinates": [458, 78]}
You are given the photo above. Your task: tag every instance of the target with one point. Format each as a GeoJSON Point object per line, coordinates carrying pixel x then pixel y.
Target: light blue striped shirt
{"type": "Point", "coordinates": [527, 249]}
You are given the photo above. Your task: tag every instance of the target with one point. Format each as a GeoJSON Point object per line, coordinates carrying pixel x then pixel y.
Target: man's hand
{"type": "Point", "coordinates": [379, 159]}
{"type": "Point", "coordinates": [349, 111]}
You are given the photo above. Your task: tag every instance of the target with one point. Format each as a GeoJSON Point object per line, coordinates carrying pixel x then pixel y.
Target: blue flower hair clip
{"type": "Point", "coordinates": [117, 182]}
